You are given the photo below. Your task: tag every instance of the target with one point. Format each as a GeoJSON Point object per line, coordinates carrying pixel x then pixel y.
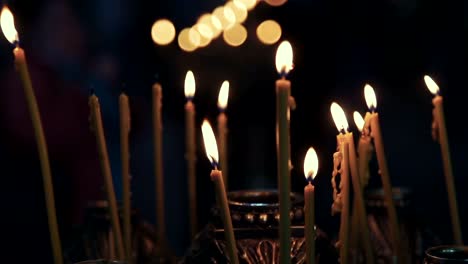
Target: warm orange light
{"type": "Point", "coordinates": [201, 34]}
{"type": "Point", "coordinates": [275, 2]}
{"type": "Point", "coordinates": [226, 17]}
{"type": "Point", "coordinates": [163, 32]}
{"type": "Point", "coordinates": [7, 23]}
{"type": "Point", "coordinates": [239, 10]}
{"type": "Point", "coordinates": [310, 164]}
{"type": "Point", "coordinates": [189, 87]}
{"type": "Point", "coordinates": [269, 32]}
{"type": "Point", "coordinates": [369, 95]}
{"type": "Point", "coordinates": [249, 4]}
{"type": "Point", "coordinates": [210, 142]}
{"type": "Point", "coordinates": [358, 120]}
{"type": "Point", "coordinates": [223, 95]}
{"type": "Point", "coordinates": [431, 85]}
{"type": "Point", "coordinates": [339, 117]}
{"type": "Point", "coordinates": [284, 57]}
{"type": "Point", "coordinates": [212, 22]}
{"type": "Point", "coordinates": [185, 40]}
{"type": "Point", "coordinates": [235, 35]}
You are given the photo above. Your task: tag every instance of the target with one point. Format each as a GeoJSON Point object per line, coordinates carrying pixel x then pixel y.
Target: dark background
{"type": "Point", "coordinates": [105, 45]}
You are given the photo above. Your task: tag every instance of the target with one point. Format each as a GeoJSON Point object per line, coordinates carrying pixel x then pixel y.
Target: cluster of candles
{"type": "Point", "coordinates": [349, 162]}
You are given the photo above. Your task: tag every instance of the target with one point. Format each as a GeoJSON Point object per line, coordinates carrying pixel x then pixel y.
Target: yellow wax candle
{"type": "Point", "coordinates": [217, 178]}
{"type": "Point", "coordinates": [222, 130]}
{"type": "Point", "coordinates": [158, 161]}
{"type": "Point", "coordinates": [310, 171]}
{"type": "Point", "coordinates": [441, 137]}
{"type": "Point", "coordinates": [8, 28]}
{"type": "Point", "coordinates": [376, 134]}
{"type": "Point", "coordinates": [365, 148]}
{"type": "Point", "coordinates": [341, 123]}
{"type": "Point", "coordinates": [360, 209]}
{"type": "Point", "coordinates": [283, 89]}
{"type": "Point", "coordinates": [124, 110]}
{"type": "Point", "coordinates": [106, 173]}
{"type": "Point", "coordinates": [190, 148]}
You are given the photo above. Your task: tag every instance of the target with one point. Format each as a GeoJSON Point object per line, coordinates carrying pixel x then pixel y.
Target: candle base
{"type": "Point", "coordinates": [254, 216]}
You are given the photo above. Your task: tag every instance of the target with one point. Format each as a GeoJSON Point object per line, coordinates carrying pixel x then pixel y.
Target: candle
{"type": "Point", "coordinates": [158, 160]}
{"type": "Point", "coordinates": [217, 178]}
{"type": "Point", "coordinates": [440, 135]}
{"type": "Point", "coordinates": [106, 172]}
{"type": "Point", "coordinates": [376, 134]}
{"type": "Point", "coordinates": [124, 110]}
{"type": "Point", "coordinates": [190, 154]}
{"type": "Point", "coordinates": [284, 57]}
{"type": "Point", "coordinates": [341, 123]}
{"type": "Point", "coordinates": [8, 28]}
{"type": "Point", "coordinates": [222, 129]}
{"type": "Point", "coordinates": [365, 148]}
{"type": "Point", "coordinates": [310, 171]}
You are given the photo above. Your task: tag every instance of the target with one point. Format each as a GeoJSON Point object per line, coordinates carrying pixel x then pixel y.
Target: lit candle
{"type": "Point", "coordinates": [376, 134]}
{"type": "Point", "coordinates": [217, 178]}
{"type": "Point", "coordinates": [440, 135]}
{"type": "Point", "coordinates": [158, 160]}
{"type": "Point", "coordinates": [310, 171]}
{"type": "Point", "coordinates": [365, 148]}
{"type": "Point", "coordinates": [124, 110]}
{"type": "Point", "coordinates": [9, 30]}
{"type": "Point", "coordinates": [96, 124]}
{"type": "Point", "coordinates": [190, 154]}
{"type": "Point", "coordinates": [284, 57]}
{"type": "Point", "coordinates": [222, 129]}
{"type": "Point", "coordinates": [341, 123]}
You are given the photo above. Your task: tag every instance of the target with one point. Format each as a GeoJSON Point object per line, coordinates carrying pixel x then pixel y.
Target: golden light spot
{"type": "Point", "coordinates": [275, 2]}
{"type": "Point", "coordinates": [235, 35]}
{"type": "Point", "coordinates": [163, 32]}
{"type": "Point", "coordinates": [204, 35]}
{"type": "Point", "coordinates": [184, 40]}
{"type": "Point", "coordinates": [225, 16]}
{"type": "Point", "coordinates": [212, 22]}
{"type": "Point", "coordinates": [269, 32]}
{"type": "Point", "coordinates": [239, 10]}
{"type": "Point", "coordinates": [249, 4]}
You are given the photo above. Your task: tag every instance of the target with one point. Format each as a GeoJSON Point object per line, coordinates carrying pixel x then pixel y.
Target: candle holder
{"type": "Point", "coordinates": [446, 254]}
{"type": "Point", "coordinates": [255, 218]}
{"type": "Point", "coordinates": [94, 241]}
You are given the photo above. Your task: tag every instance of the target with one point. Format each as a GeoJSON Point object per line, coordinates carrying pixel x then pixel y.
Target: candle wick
{"type": "Point", "coordinates": [16, 42]}
{"type": "Point", "coordinates": [189, 98]}
{"type": "Point", "coordinates": [91, 91]}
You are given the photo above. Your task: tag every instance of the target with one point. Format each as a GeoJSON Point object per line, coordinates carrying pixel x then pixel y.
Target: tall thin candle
{"type": "Point", "coordinates": [376, 134]}
{"type": "Point", "coordinates": [190, 148]}
{"type": "Point", "coordinates": [440, 134]}
{"type": "Point", "coordinates": [124, 110]}
{"type": "Point", "coordinates": [106, 172]}
{"type": "Point", "coordinates": [223, 131]}
{"type": "Point", "coordinates": [158, 161]}
{"type": "Point", "coordinates": [310, 171]}
{"type": "Point", "coordinates": [341, 123]}
{"type": "Point", "coordinates": [8, 28]}
{"type": "Point", "coordinates": [284, 57]}
{"type": "Point", "coordinates": [217, 178]}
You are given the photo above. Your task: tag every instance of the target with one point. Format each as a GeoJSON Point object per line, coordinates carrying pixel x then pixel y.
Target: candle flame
{"type": "Point", "coordinates": [210, 142]}
{"type": "Point", "coordinates": [284, 58]}
{"type": "Point", "coordinates": [369, 95]}
{"type": "Point", "coordinates": [339, 117]}
{"type": "Point", "coordinates": [431, 85]}
{"type": "Point", "coordinates": [310, 164]}
{"type": "Point", "coordinates": [189, 87]}
{"type": "Point", "coordinates": [7, 22]}
{"type": "Point", "coordinates": [358, 120]}
{"type": "Point", "coordinates": [223, 95]}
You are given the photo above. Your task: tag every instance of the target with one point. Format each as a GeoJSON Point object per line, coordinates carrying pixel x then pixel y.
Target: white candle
{"type": "Point", "coordinates": [222, 130]}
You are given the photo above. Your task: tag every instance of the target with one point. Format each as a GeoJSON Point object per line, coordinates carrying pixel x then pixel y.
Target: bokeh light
{"type": "Point", "coordinates": [184, 40]}
{"type": "Point", "coordinates": [235, 35]}
{"type": "Point", "coordinates": [163, 32]}
{"type": "Point", "coordinates": [239, 10]}
{"type": "Point", "coordinates": [269, 32]}
{"type": "Point", "coordinates": [275, 2]}
{"type": "Point", "coordinates": [212, 22]}
{"type": "Point", "coordinates": [249, 4]}
{"type": "Point", "coordinates": [226, 17]}
{"type": "Point", "coordinates": [204, 35]}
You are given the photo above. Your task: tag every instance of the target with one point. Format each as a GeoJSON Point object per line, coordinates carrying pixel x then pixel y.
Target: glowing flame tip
{"type": "Point", "coordinates": [284, 58]}
{"type": "Point", "coordinates": [339, 117]}
{"type": "Point", "coordinates": [310, 164]}
{"type": "Point", "coordinates": [223, 95]}
{"type": "Point", "coordinates": [189, 87]}
{"type": "Point", "coordinates": [7, 23]}
{"type": "Point", "coordinates": [431, 85]}
{"type": "Point", "coordinates": [370, 97]}
{"type": "Point", "coordinates": [209, 140]}
{"type": "Point", "coordinates": [358, 120]}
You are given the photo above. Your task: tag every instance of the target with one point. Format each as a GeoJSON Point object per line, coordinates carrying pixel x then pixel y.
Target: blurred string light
{"type": "Point", "coordinates": [187, 40]}
{"type": "Point", "coordinates": [239, 10]}
{"type": "Point", "coordinates": [235, 35]}
{"type": "Point", "coordinates": [269, 32]}
{"type": "Point", "coordinates": [275, 2]}
{"type": "Point", "coordinates": [163, 32]}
